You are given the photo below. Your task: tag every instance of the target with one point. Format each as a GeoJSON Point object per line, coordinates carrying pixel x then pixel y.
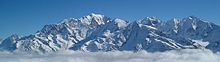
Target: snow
{"type": "Point", "coordinates": [108, 34]}
{"type": "Point", "coordinates": [202, 43]}
{"type": "Point", "coordinates": [94, 32]}
{"type": "Point", "coordinates": [151, 18]}
{"type": "Point", "coordinates": [121, 23]}
{"type": "Point", "coordinates": [147, 26]}
{"type": "Point", "coordinates": [190, 17]}
{"type": "Point", "coordinates": [98, 18]}
{"type": "Point", "coordinates": [176, 22]}
{"type": "Point", "coordinates": [97, 15]}
{"type": "Point", "coordinates": [151, 21]}
{"type": "Point", "coordinates": [194, 25]}
{"type": "Point", "coordinates": [151, 27]}
{"type": "Point", "coordinates": [86, 20]}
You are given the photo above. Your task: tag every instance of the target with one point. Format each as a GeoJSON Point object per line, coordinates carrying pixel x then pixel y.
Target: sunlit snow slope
{"type": "Point", "coordinates": [96, 32]}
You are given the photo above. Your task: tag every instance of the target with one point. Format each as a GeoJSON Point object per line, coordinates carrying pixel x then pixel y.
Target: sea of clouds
{"type": "Point", "coordinates": [186, 55]}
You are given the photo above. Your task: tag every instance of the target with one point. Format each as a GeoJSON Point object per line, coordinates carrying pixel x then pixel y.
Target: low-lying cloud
{"type": "Point", "coordinates": [187, 55]}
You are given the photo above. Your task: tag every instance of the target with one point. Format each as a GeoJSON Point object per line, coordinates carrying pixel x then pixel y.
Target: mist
{"type": "Point", "coordinates": [186, 55]}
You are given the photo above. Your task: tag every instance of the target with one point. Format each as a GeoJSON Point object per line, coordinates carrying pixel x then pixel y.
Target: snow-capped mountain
{"type": "Point", "coordinates": [97, 32]}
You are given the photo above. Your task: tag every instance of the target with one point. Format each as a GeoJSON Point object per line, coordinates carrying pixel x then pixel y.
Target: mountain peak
{"type": "Point", "coordinates": [152, 21]}
{"type": "Point", "coordinates": [192, 17]}
{"type": "Point", "coordinates": [97, 15]}
{"type": "Point", "coordinates": [120, 23]}
{"type": "Point", "coordinates": [96, 32]}
{"type": "Point", "coordinates": [94, 18]}
{"type": "Point", "coordinates": [153, 18]}
{"type": "Point", "coordinates": [14, 36]}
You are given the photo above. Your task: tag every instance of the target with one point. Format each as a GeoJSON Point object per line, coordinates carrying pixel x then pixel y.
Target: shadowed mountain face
{"type": "Point", "coordinates": [97, 32]}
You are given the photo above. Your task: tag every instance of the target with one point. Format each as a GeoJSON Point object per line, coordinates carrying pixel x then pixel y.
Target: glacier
{"type": "Point", "coordinates": [99, 33]}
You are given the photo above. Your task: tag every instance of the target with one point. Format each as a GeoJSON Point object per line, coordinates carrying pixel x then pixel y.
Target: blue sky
{"type": "Point", "coordinates": [25, 17]}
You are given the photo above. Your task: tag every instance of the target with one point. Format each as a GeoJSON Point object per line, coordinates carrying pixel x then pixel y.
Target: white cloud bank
{"type": "Point", "coordinates": [187, 55]}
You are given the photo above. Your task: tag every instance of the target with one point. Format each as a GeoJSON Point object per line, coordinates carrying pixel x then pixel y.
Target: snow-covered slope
{"type": "Point", "coordinates": [97, 32]}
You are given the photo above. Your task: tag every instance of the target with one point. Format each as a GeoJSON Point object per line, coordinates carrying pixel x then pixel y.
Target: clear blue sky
{"type": "Point", "coordinates": [25, 17]}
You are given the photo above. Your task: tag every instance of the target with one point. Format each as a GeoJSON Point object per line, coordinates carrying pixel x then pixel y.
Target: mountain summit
{"type": "Point", "coordinates": [97, 32]}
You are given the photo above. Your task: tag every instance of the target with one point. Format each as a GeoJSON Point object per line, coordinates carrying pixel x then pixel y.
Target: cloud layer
{"type": "Point", "coordinates": [187, 55]}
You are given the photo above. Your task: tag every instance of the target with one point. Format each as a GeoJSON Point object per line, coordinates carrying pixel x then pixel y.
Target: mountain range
{"type": "Point", "coordinates": [97, 32]}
